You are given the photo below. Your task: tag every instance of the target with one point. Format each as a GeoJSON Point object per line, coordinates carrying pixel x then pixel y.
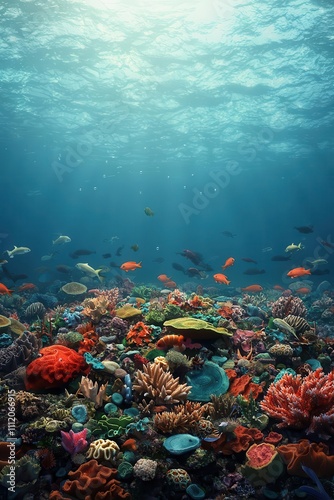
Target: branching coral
{"type": "Point", "coordinates": [93, 392]}
{"type": "Point", "coordinates": [183, 418]}
{"type": "Point", "coordinates": [155, 383]}
{"type": "Point", "coordinates": [303, 403]}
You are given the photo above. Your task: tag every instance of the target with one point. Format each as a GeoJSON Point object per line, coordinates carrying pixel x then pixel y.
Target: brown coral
{"type": "Point", "coordinates": [184, 418]}
{"type": "Point", "coordinates": [155, 383]}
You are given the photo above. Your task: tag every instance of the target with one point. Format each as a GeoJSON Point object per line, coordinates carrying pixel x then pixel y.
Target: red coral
{"type": "Point", "coordinates": [56, 366]}
{"type": "Point", "coordinates": [90, 337]}
{"type": "Point", "coordinates": [302, 403]}
{"type": "Point", "coordinates": [92, 481]}
{"type": "Point", "coordinates": [313, 455]}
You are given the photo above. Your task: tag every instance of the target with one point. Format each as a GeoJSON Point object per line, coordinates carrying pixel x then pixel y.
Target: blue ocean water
{"type": "Point", "coordinates": [217, 115]}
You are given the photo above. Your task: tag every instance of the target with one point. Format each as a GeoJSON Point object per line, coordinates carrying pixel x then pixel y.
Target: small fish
{"type": "Point", "coordinates": [252, 288]}
{"type": "Point", "coordinates": [26, 286]}
{"type": "Point", "coordinates": [63, 269]}
{"type": "Point", "coordinates": [247, 259]}
{"type": "Point", "coordinates": [178, 267]}
{"type": "Point", "coordinates": [119, 251]}
{"type": "Point", "coordinates": [170, 341]}
{"type": "Point", "coordinates": [80, 252]}
{"type": "Point", "coordinates": [228, 234]}
{"type": "Point", "coordinates": [159, 260]}
{"type": "Point", "coordinates": [284, 327]}
{"type": "Point", "coordinates": [266, 249]}
{"type": "Point", "coordinates": [279, 288]}
{"type": "Point", "coordinates": [106, 255]}
{"type": "Point", "coordinates": [17, 251]}
{"type": "Point", "coordinates": [135, 247]}
{"type": "Point", "coordinates": [130, 266]}
{"type": "Point", "coordinates": [317, 262]}
{"type": "Point", "coordinates": [326, 244]}
{"type": "Point", "coordinates": [90, 271]}
{"type": "Point", "coordinates": [61, 240]}
{"type": "Point", "coordinates": [320, 272]}
{"type": "Point", "coordinates": [113, 264]}
{"type": "Point", "coordinates": [163, 278]}
{"type": "Point", "coordinates": [148, 211]}
{"type": "Point", "coordinates": [229, 262]}
{"type": "Point", "coordinates": [221, 278]}
{"type": "Point", "coordinates": [3, 262]}
{"type": "Point", "coordinates": [4, 290]}
{"type": "Point", "coordinates": [304, 229]}
{"type": "Point", "coordinates": [303, 290]}
{"type": "Point", "coordinates": [47, 257]}
{"type": "Point", "coordinates": [170, 284]}
{"type": "Point", "coordinates": [293, 247]}
{"type": "Point", "coordinates": [192, 272]}
{"type": "Point", "coordinates": [280, 258]}
{"type": "Point", "coordinates": [298, 271]}
{"type": "Point", "coordinates": [254, 271]}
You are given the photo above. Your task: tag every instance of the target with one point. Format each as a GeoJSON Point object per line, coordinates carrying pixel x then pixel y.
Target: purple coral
{"type": "Point", "coordinates": [74, 442]}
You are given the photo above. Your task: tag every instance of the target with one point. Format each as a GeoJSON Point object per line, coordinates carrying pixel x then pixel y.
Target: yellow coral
{"type": "Point", "coordinates": [104, 450]}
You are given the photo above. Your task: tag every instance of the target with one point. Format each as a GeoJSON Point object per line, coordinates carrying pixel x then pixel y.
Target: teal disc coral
{"type": "Point", "coordinates": [181, 443]}
{"type": "Point", "coordinates": [211, 379]}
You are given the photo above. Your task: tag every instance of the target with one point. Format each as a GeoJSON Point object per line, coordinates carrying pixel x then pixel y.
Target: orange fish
{"type": "Point", "coordinates": [26, 286]}
{"type": "Point", "coordinates": [170, 284]}
{"type": "Point", "coordinates": [278, 288]}
{"type": "Point", "coordinates": [298, 271]}
{"type": "Point", "coordinates": [252, 288]}
{"type": "Point", "coordinates": [229, 262]}
{"type": "Point", "coordinates": [303, 290]}
{"type": "Point", "coordinates": [170, 341]}
{"type": "Point", "coordinates": [221, 278]}
{"type": "Point", "coordinates": [130, 266]}
{"type": "Point", "coordinates": [163, 277]}
{"type": "Point", "coordinates": [4, 290]}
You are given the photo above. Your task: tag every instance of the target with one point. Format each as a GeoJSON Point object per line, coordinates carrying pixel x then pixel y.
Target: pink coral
{"type": "Point", "coordinates": [74, 442]}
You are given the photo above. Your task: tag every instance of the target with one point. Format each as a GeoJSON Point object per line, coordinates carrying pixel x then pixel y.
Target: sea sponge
{"type": "Point", "coordinates": [145, 469]}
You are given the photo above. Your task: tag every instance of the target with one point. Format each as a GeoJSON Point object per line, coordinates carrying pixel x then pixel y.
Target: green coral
{"type": "Point", "coordinates": [176, 359]}
{"type": "Point", "coordinates": [171, 311]}
{"type": "Point", "coordinates": [251, 415]}
{"type": "Point", "coordinates": [109, 426]}
{"type": "Point", "coordinates": [142, 291]}
{"type": "Point", "coordinates": [155, 317]}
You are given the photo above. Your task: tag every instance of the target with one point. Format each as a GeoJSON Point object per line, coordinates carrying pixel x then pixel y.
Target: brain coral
{"type": "Point", "coordinates": [56, 366]}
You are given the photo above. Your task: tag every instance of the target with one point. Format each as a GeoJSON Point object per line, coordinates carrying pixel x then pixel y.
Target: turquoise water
{"type": "Point", "coordinates": [217, 115]}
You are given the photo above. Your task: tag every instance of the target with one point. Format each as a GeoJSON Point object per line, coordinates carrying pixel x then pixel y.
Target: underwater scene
{"type": "Point", "coordinates": [166, 241]}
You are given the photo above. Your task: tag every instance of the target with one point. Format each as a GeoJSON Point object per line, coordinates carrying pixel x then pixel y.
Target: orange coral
{"type": "Point", "coordinates": [243, 438]}
{"type": "Point", "coordinates": [90, 337]}
{"type": "Point", "coordinates": [245, 387]}
{"type": "Point", "coordinates": [313, 455]}
{"type": "Point", "coordinates": [139, 334]}
{"type": "Point", "coordinates": [92, 480]}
